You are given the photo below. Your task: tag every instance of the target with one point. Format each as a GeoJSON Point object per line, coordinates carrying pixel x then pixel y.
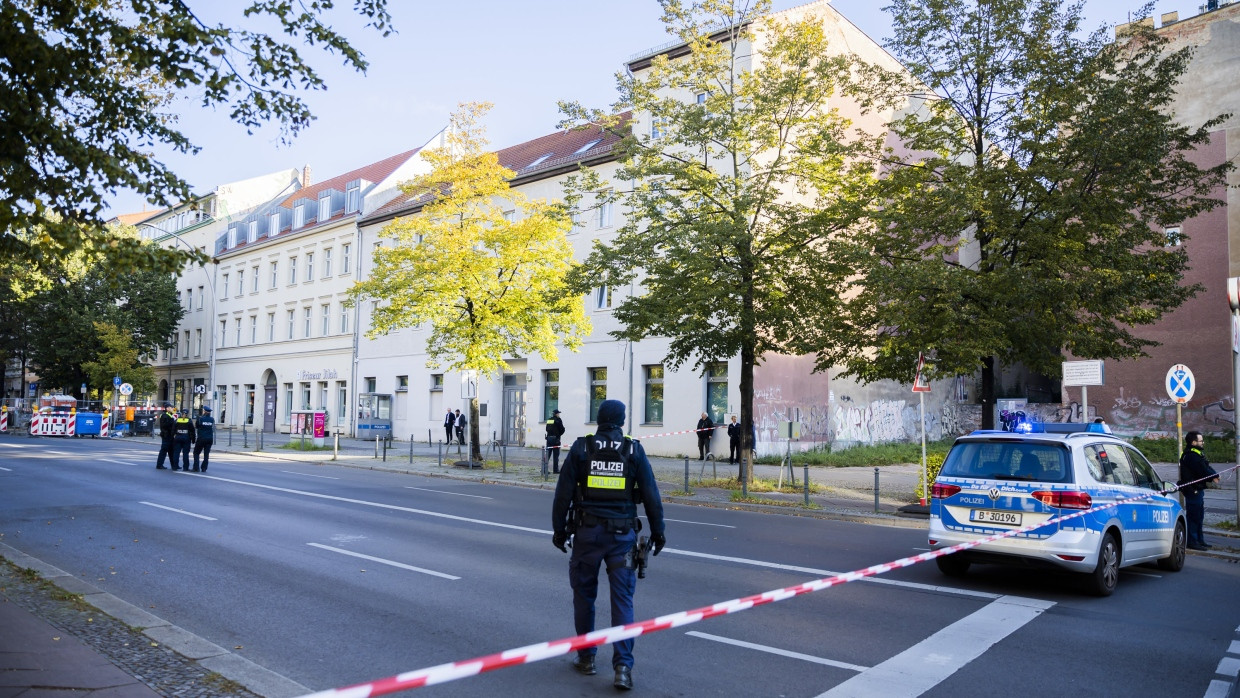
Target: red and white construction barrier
{"type": "Point", "coordinates": [104, 422]}
{"type": "Point", "coordinates": [529, 654]}
{"type": "Point", "coordinates": [4, 419]}
{"type": "Point", "coordinates": [53, 424]}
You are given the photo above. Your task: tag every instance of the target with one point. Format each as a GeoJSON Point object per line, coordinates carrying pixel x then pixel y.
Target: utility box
{"type": "Point", "coordinates": [374, 416]}
{"type": "Point", "coordinates": [313, 423]}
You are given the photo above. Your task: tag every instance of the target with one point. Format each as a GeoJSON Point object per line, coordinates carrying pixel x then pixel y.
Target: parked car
{"type": "Point", "coordinates": [994, 481]}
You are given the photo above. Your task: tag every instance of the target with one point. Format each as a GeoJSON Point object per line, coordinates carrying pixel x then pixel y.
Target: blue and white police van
{"type": "Point", "coordinates": [996, 481]}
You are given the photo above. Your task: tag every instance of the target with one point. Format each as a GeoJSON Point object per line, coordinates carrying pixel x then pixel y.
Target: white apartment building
{"type": "Point", "coordinates": [284, 338]}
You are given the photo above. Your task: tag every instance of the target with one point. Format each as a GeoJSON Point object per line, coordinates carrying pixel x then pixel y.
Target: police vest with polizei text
{"type": "Point", "coordinates": [607, 476]}
{"type": "Point", "coordinates": [182, 427]}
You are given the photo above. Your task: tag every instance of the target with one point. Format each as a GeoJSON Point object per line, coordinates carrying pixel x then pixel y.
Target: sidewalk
{"type": "Point", "coordinates": [35, 653]}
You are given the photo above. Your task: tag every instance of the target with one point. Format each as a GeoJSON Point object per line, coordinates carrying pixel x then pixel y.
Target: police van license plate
{"type": "Point", "coordinates": [1006, 518]}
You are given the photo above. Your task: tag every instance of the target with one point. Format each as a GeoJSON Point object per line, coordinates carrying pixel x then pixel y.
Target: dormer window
{"type": "Point", "coordinates": [299, 215]}
{"type": "Point", "coordinates": [232, 236]}
{"type": "Point", "coordinates": [253, 235]}
{"type": "Point", "coordinates": [353, 197]}
{"type": "Point", "coordinates": [273, 225]}
{"type": "Point", "coordinates": [541, 159]}
{"type": "Point", "coordinates": [325, 206]}
{"type": "Point", "coordinates": [587, 146]}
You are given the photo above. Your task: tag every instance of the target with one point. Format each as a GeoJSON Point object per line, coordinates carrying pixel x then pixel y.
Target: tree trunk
{"type": "Point", "coordinates": [988, 392]}
{"type": "Point", "coordinates": [475, 450]}
{"type": "Point", "coordinates": [747, 445]}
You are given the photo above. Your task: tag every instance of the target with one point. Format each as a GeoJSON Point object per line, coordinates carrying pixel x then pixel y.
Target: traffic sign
{"type": "Point", "coordinates": [919, 384]}
{"type": "Point", "coordinates": [200, 389]}
{"type": "Point", "coordinates": [126, 389]}
{"type": "Point", "coordinates": [116, 382]}
{"type": "Point", "coordinates": [1180, 383]}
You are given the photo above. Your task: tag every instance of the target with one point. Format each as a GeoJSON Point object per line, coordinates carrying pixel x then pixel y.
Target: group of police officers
{"type": "Point", "coordinates": [178, 432]}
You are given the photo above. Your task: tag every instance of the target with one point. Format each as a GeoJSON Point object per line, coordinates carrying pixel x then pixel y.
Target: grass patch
{"type": "Point", "coordinates": [1226, 525]}
{"type": "Point", "coordinates": [738, 498]}
{"type": "Point", "coordinates": [861, 456]}
{"type": "Point", "coordinates": [1218, 450]}
{"type": "Point", "coordinates": [219, 684]}
{"type": "Point", "coordinates": [307, 446]}
{"type": "Point", "coordinates": [761, 485]}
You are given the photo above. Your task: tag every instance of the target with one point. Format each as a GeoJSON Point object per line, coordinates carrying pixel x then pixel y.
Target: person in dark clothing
{"type": "Point", "coordinates": [182, 439]}
{"type": "Point", "coordinates": [204, 430]}
{"type": "Point", "coordinates": [705, 429]}
{"type": "Point", "coordinates": [604, 476]}
{"type": "Point", "coordinates": [555, 430]}
{"type": "Point", "coordinates": [448, 421]}
{"type": "Point", "coordinates": [734, 441]}
{"type": "Point", "coordinates": [166, 424]}
{"type": "Point", "coordinates": [1195, 472]}
{"type": "Point", "coordinates": [461, 421]}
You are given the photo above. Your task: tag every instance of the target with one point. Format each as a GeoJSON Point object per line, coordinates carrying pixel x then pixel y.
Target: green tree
{"type": "Point", "coordinates": [1028, 218]}
{"type": "Point", "coordinates": [739, 193]}
{"type": "Point", "coordinates": [83, 86]}
{"type": "Point", "coordinates": [485, 284]}
{"type": "Point", "coordinates": [118, 356]}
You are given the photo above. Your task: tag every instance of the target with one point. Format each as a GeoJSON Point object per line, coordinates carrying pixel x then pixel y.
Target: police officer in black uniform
{"type": "Point", "coordinates": [204, 429]}
{"type": "Point", "coordinates": [1195, 469]}
{"type": "Point", "coordinates": [167, 422]}
{"type": "Point", "coordinates": [555, 430]}
{"type": "Point", "coordinates": [603, 477]}
{"type": "Point", "coordinates": [182, 439]}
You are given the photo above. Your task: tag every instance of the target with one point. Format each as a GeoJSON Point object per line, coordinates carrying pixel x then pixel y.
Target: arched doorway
{"type": "Point", "coordinates": [162, 395]}
{"type": "Point", "coordinates": [269, 401]}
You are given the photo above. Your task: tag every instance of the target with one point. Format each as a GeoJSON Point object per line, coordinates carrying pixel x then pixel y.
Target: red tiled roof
{"type": "Point", "coordinates": [561, 148]}
{"type": "Point", "coordinates": [132, 218]}
{"type": "Point", "coordinates": [374, 172]}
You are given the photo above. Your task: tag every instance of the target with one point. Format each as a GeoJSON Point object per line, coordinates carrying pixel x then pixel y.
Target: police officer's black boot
{"type": "Point", "coordinates": [624, 678]}
{"type": "Point", "coordinates": [585, 664]}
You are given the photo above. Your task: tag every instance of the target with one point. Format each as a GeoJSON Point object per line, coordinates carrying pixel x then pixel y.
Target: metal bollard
{"type": "Point", "coordinates": [245, 438]}
{"type": "Point", "coordinates": [258, 439]}
{"type": "Point", "coordinates": [440, 449]}
{"type": "Point", "coordinates": [303, 440]}
{"type": "Point", "coordinates": [876, 490]}
{"type": "Point", "coordinates": [544, 462]}
{"type": "Point", "coordinates": [503, 458]}
{"type": "Point", "coordinates": [385, 446]}
{"type": "Point", "coordinates": [230, 431]}
{"type": "Point", "coordinates": [411, 449]}
{"type": "Point", "coordinates": [336, 447]}
{"type": "Point", "coordinates": [428, 437]}
{"type": "Point", "coordinates": [806, 479]}
{"type": "Point", "coordinates": [376, 447]}
{"type": "Point", "coordinates": [686, 474]}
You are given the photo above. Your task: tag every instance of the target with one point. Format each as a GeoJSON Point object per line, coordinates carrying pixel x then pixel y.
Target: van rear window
{"type": "Point", "coordinates": [1008, 460]}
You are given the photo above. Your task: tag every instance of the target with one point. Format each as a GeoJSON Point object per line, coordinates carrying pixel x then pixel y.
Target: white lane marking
{"type": "Point", "coordinates": [1218, 689]}
{"type": "Point", "coordinates": [776, 650]}
{"type": "Point", "coordinates": [118, 462]}
{"type": "Point", "coordinates": [699, 523]}
{"type": "Point", "coordinates": [1228, 666]}
{"type": "Point", "coordinates": [829, 573]}
{"type": "Point", "coordinates": [2, 443]}
{"type": "Point", "coordinates": [58, 453]}
{"type": "Point", "coordinates": [381, 561]}
{"type": "Point", "coordinates": [325, 477]}
{"type": "Point", "coordinates": [378, 505]}
{"type": "Point", "coordinates": [928, 663]}
{"type": "Point", "coordinates": [1234, 648]}
{"type": "Point", "coordinates": [459, 494]}
{"type": "Point", "coordinates": [6, 470]}
{"type": "Point", "coordinates": [179, 511]}
{"type": "Point", "coordinates": [922, 550]}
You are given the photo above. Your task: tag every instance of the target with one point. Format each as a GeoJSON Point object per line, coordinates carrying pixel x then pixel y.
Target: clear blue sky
{"type": "Point", "coordinates": [522, 55]}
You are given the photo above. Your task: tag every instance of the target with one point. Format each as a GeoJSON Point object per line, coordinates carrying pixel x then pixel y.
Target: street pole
{"type": "Point", "coordinates": [925, 481]}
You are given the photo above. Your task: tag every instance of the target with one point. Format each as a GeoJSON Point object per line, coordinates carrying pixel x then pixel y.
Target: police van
{"type": "Point", "coordinates": [997, 481]}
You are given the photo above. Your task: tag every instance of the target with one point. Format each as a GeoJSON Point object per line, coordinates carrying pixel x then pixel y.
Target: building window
{"type": "Point", "coordinates": [1174, 236]}
{"type": "Point", "coordinates": [344, 319]}
{"type": "Point", "coordinates": [657, 126]}
{"type": "Point", "coordinates": [327, 318]}
{"type": "Point", "coordinates": [200, 295]}
{"type": "Point", "coordinates": [436, 382]}
{"type": "Point", "coordinates": [353, 197]}
{"type": "Point", "coordinates": [307, 314]}
{"type": "Point", "coordinates": [253, 233]}
{"type": "Point", "coordinates": [290, 324]}
{"type": "Point", "coordinates": [305, 396]}
{"type": "Point", "coordinates": [187, 344]}
{"type": "Point", "coordinates": [223, 333]}
{"type": "Point", "coordinates": [602, 297]}
{"type": "Point", "coordinates": [275, 274]}
{"type": "Point", "coordinates": [344, 258]}
{"type": "Point", "coordinates": [323, 395]}
{"type": "Point", "coordinates": [551, 392]}
{"type": "Point", "coordinates": [370, 384]}
{"type": "Point", "coordinates": [325, 206]}
{"type": "Point", "coordinates": [342, 400]}
{"type": "Point", "coordinates": [240, 282]}
{"type": "Point", "coordinates": [717, 390]}
{"type": "Point", "coordinates": [292, 270]}
{"type": "Point", "coordinates": [288, 402]}
{"type": "Point", "coordinates": [604, 214]}
{"type": "Point", "coordinates": [402, 384]}
{"type": "Point", "coordinates": [225, 294]}
{"type": "Point", "coordinates": [598, 391]}
{"type": "Point", "coordinates": [197, 342]}
{"type": "Point", "coordinates": [254, 283]}
{"type": "Point", "coordinates": [273, 225]}
{"type": "Point", "coordinates": [237, 330]}
{"type": "Point", "coordinates": [271, 327]}
{"type": "Point", "coordinates": [253, 329]}
{"type": "Point", "coordinates": [327, 262]}
{"type": "Point", "coordinates": [309, 266]}
{"type": "Point", "coordinates": [654, 393]}
{"type": "Point", "coordinates": [189, 299]}
{"type": "Point", "coordinates": [299, 215]}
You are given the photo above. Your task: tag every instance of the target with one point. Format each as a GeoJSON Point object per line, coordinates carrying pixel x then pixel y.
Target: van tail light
{"type": "Point", "coordinates": [938, 491]}
{"type": "Point", "coordinates": [1065, 499]}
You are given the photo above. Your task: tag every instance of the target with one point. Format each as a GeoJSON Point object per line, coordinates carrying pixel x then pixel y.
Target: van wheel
{"type": "Point", "coordinates": [1105, 577]}
{"type": "Point", "coordinates": [1179, 541]}
{"type": "Point", "coordinates": [954, 565]}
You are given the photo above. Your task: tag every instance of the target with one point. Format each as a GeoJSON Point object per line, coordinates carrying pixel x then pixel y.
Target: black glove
{"type": "Point", "coordinates": [659, 541]}
{"type": "Point", "coordinates": [558, 540]}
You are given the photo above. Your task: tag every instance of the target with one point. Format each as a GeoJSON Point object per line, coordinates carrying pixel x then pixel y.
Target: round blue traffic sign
{"type": "Point", "coordinates": [1180, 383]}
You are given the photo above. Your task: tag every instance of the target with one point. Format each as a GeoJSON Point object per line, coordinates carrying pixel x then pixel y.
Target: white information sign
{"type": "Point", "coordinates": [1180, 383]}
{"type": "Point", "coordinates": [1083, 373]}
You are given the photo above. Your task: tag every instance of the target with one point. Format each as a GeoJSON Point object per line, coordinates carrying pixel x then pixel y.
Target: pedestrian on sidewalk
{"type": "Point", "coordinates": [555, 431]}
{"type": "Point", "coordinates": [448, 420]}
{"type": "Point", "coordinates": [705, 429]}
{"type": "Point", "coordinates": [461, 422]}
{"type": "Point", "coordinates": [734, 442]}
{"type": "Point", "coordinates": [204, 428]}
{"type": "Point", "coordinates": [1195, 469]}
{"type": "Point", "coordinates": [167, 423]}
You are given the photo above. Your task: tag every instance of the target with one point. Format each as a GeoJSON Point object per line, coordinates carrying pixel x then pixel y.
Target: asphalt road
{"type": "Point", "coordinates": [331, 575]}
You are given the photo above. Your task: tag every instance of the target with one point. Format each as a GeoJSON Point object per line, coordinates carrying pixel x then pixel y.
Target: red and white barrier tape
{"type": "Point", "coordinates": [655, 436]}
{"type": "Point", "coordinates": [529, 654]}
